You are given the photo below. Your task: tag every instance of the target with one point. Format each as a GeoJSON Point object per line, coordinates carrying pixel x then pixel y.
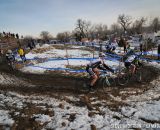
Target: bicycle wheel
{"type": "Point", "coordinates": [123, 78]}
{"type": "Point", "coordinates": [108, 83]}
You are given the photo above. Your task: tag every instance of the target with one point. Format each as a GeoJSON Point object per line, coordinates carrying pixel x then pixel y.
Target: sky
{"type": "Point", "coordinates": [30, 17]}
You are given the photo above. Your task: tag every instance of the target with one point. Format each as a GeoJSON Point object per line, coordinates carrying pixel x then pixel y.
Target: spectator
{"type": "Point", "coordinates": [141, 48]}
{"type": "Point", "coordinates": [30, 45]}
{"type": "Point", "coordinates": [4, 33]}
{"type": "Point", "coordinates": [125, 45]}
{"type": "Point", "coordinates": [22, 54]}
{"type": "Point", "coordinates": [33, 43]}
{"type": "Point", "coordinates": [13, 35]}
{"type": "Point", "coordinates": [17, 36]}
{"type": "Point", "coordinates": [140, 38]}
{"type": "Point", "coordinates": [122, 43]}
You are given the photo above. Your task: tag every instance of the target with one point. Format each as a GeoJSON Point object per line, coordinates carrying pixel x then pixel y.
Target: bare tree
{"type": "Point", "coordinates": [137, 26]}
{"type": "Point", "coordinates": [92, 32]}
{"type": "Point", "coordinates": [102, 31]}
{"type": "Point", "coordinates": [64, 36]}
{"type": "Point", "coordinates": [82, 28]}
{"type": "Point", "coordinates": [98, 31]}
{"type": "Point", "coordinates": [124, 21]}
{"type": "Point", "coordinates": [116, 29]}
{"type": "Point", "coordinates": [45, 35]}
{"type": "Point", "coordinates": [155, 24]}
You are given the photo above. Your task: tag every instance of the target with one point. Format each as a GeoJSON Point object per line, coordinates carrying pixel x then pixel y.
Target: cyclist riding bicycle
{"type": "Point", "coordinates": [94, 67]}
{"type": "Point", "coordinates": [111, 46]}
{"type": "Point", "coordinates": [10, 57]}
{"type": "Point", "coordinates": [131, 61]}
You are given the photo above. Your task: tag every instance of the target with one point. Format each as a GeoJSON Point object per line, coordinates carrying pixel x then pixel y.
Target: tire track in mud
{"type": "Point", "coordinates": [56, 83]}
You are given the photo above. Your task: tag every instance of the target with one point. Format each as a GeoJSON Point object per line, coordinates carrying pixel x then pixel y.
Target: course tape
{"type": "Point", "coordinates": [113, 57]}
{"type": "Point", "coordinates": [138, 53]}
{"type": "Point", "coordinates": [62, 69]}
{"type": "Point", "coordinates": [67, 69]}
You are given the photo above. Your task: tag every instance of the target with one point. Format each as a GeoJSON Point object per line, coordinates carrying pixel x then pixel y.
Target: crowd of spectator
{"type": "Point", "coordinates": [9, 34]}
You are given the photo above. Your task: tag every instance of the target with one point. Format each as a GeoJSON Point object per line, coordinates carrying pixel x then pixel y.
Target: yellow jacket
{"type": "Point", "coordinates": [20, 51]}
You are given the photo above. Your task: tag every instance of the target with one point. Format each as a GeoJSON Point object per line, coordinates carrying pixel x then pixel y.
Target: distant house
{"type": "Point", "coordinates": [155, 37]}
{"type": "Point", "coordinates": [84, 40]}
{"type": "Point", "coordinates": [53, 41]}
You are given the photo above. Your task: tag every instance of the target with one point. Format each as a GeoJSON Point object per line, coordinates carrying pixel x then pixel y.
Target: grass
{"type": "Point", "coordinates": [76, 67]}
{"type": "Point", "coordinates": [42, 50]}
{"type": "Point", "coordinates": [63, 47]}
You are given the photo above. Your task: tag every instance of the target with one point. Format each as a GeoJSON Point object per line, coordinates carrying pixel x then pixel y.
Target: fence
{"type": "Point", "coordinates": [4, 46]}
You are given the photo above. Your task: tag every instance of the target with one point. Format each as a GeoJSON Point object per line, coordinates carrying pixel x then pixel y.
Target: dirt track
{"type": "Point", "coordinates": [59, 87]}
{"type": "Point", "coordinates": [48, 84]}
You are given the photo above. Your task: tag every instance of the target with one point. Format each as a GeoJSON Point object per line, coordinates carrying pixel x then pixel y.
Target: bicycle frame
{"type": "Point", "coordinates": [125, 75]}
{"type": "Point", "coordinates": [107, 80]}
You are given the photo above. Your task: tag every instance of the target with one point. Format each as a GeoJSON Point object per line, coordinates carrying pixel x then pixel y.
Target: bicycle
{"type": "Point", "coordinates": [124, 75]}
{"type": "Point", "coordinates": [105, 81]}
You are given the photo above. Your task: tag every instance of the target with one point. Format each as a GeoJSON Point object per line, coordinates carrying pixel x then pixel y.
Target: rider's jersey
{"type": "Point", "coordinates": [131, 58]}
{"type": "Point", "coordinates": [111, 45]}
{"type": "Point", "coordinates": [96, 63]}
{"type": "Point", "coordinates": [114, 44]}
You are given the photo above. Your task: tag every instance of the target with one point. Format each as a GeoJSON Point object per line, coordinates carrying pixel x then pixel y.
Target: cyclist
{"type": "Point", "coordinates": [94, 67]}
{"type": "Point", "coordinates": [109, 47]}
{"type": "Point", "coordinates": [131, 61]}
{"type": "Point", "coordinates": [10, 57]}
{"type": "Point", "coordinates": [114, 45]}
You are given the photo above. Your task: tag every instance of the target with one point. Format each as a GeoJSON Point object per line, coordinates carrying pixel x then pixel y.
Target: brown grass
{"type": "Point", "coordinates": [42, 50]}
{"type": "Point", "coordinates": [75, 67]}
{"type": "Point", "coordinates": [63, 47]}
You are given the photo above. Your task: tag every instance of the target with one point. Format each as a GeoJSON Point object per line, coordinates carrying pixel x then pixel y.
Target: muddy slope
{"type": "Point", "coordinates": [53, 83]}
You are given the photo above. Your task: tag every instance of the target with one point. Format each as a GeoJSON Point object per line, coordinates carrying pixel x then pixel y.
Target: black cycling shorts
{"type": "Point", "coordinates": [90, 71]}
{"type": "Point", "coordinates": [127, 64]}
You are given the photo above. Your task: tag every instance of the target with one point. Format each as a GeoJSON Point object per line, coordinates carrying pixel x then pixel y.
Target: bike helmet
{"type": "Point", "coordinates": [101, 54]}
{"type": "Point", "coordinates": [9, 51]}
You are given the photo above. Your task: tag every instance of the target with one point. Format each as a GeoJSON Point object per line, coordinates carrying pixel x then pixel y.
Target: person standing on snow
{"type": "Point", "coordinates": [22, 54]}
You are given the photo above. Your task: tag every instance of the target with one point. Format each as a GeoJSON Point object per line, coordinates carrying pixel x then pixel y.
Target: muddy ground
{"type": "Point", "coordinates": [51, 83]}
{"type": "Point", "coordinates": [59, 86]}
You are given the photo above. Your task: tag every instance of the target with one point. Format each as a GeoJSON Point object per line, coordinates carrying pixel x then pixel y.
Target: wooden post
{"type": "Point", "coordinates": [66, 55]}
